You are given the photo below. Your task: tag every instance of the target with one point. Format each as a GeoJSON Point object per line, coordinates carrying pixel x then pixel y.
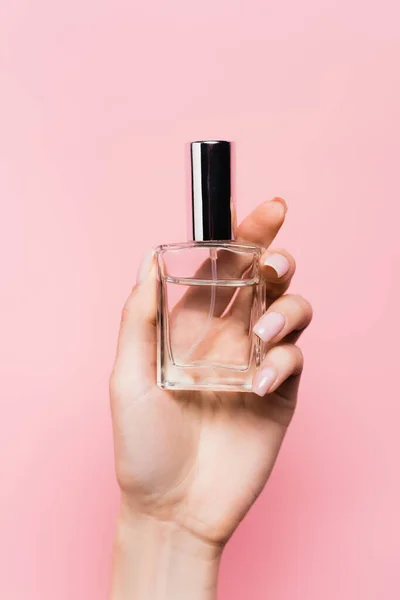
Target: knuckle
{"type": "Point", "coordinates": [299, 358]}
{"type": "Point", "coordinates": [125, 314]}
{"type": "Point", "coordinates": [290, 356]}
{"type": "Point", "coordinates": [117, 389]}
{"type": "Point", "coordinates": [279, 353]}
{"type": "Point", "coordinates": [129, 306]}
{"type": "Point", "coordinates": [306, 305]}
{"type": "Point", "coordinates": [113, 387]}
{"type": "Point", "coordinates": [303, 306]}
{"type": "Point", "coordinates": [113, 380]}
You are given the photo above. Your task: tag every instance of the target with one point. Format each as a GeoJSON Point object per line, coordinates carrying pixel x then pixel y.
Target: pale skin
{"type": "Point", "coordinates": [191, 464]}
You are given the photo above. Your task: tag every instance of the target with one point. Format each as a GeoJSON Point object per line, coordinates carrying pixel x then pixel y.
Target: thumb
{"type": "Point", "coordinates": [136, 352]}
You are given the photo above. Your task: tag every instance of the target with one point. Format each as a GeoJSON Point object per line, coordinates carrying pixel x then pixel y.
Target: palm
{"type": "Point", "coordinates": [176, 450]}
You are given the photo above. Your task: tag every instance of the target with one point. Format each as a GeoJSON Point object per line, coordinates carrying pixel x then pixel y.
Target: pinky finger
{"type": "Point", "coordinates": [281, 362]}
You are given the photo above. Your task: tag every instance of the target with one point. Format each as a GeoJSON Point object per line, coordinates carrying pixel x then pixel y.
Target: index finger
{"type": "Point", "coordinates": [261, 226]}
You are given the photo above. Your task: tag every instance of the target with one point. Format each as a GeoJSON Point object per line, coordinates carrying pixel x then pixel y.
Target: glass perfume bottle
{"type": "Point", "coordinates": [210, 292]}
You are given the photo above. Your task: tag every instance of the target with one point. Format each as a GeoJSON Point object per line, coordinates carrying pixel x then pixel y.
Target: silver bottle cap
{"type": "Point", "coordinates": [212, 209]}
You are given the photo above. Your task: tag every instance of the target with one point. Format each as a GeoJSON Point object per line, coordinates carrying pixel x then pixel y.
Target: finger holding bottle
{"type": "Point", "coordinates": [281, 362]}
{"type": "Point", "coordinates": [277, 268]}
{"type": "Point", "coordinates": [288, 314]}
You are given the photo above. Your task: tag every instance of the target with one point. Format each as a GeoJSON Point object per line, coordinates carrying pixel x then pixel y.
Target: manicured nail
{"type": "Point", "coordinates": [279, 263]}
{"type": "Point", "coordinates": [263, 381]}
{"type": "Point", "coordinates": [269, 325]}
{"type": "Point", "coordinates": [145, 265]}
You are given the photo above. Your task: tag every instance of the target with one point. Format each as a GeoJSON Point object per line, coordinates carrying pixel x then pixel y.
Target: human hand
{"type": "Point", "coordinates": [194, 462]}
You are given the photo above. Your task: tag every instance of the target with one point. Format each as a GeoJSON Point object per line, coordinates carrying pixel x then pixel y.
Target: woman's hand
{"type": "Point", "coordinates": [191, 464]}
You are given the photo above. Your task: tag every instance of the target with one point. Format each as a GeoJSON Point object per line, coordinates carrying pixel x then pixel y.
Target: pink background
{"type": "Point", "coordinates": [97, 99]}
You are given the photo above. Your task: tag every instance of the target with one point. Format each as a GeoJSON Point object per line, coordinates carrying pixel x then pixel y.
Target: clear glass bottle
{"type": "Point", "coordinates": [210, 293]}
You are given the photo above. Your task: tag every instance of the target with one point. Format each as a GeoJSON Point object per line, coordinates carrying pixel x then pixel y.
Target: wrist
{"type": "Point", "coordinates": [159, 560]}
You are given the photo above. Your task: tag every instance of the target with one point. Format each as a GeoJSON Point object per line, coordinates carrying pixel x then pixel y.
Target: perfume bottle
{"type": "Point", "coordinates": [210, 292]}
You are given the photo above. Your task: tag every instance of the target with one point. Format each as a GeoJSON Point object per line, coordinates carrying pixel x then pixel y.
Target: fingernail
{"type": "Point", "coordinates": [263, 381]}
{"type": "Point", "coordinates": [282, 202]}
{"type": "Point", "coordinates": [279, 263]}
{"type": "Point", "coordinates": [145, 265]}
{"type": "Point", "coordinates": [269, 325]}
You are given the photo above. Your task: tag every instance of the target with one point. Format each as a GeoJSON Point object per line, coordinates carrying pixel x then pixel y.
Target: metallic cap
{"type": "Point", "coordinates": [212, 210]}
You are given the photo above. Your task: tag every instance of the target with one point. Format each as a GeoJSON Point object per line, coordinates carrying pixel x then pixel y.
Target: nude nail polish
{"type": "Point", "coordinates": [269, 326]}
{"type": "Point", "coordinates": [263, 381]}
{"type": "Point", "coordinates": [279, 263]}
